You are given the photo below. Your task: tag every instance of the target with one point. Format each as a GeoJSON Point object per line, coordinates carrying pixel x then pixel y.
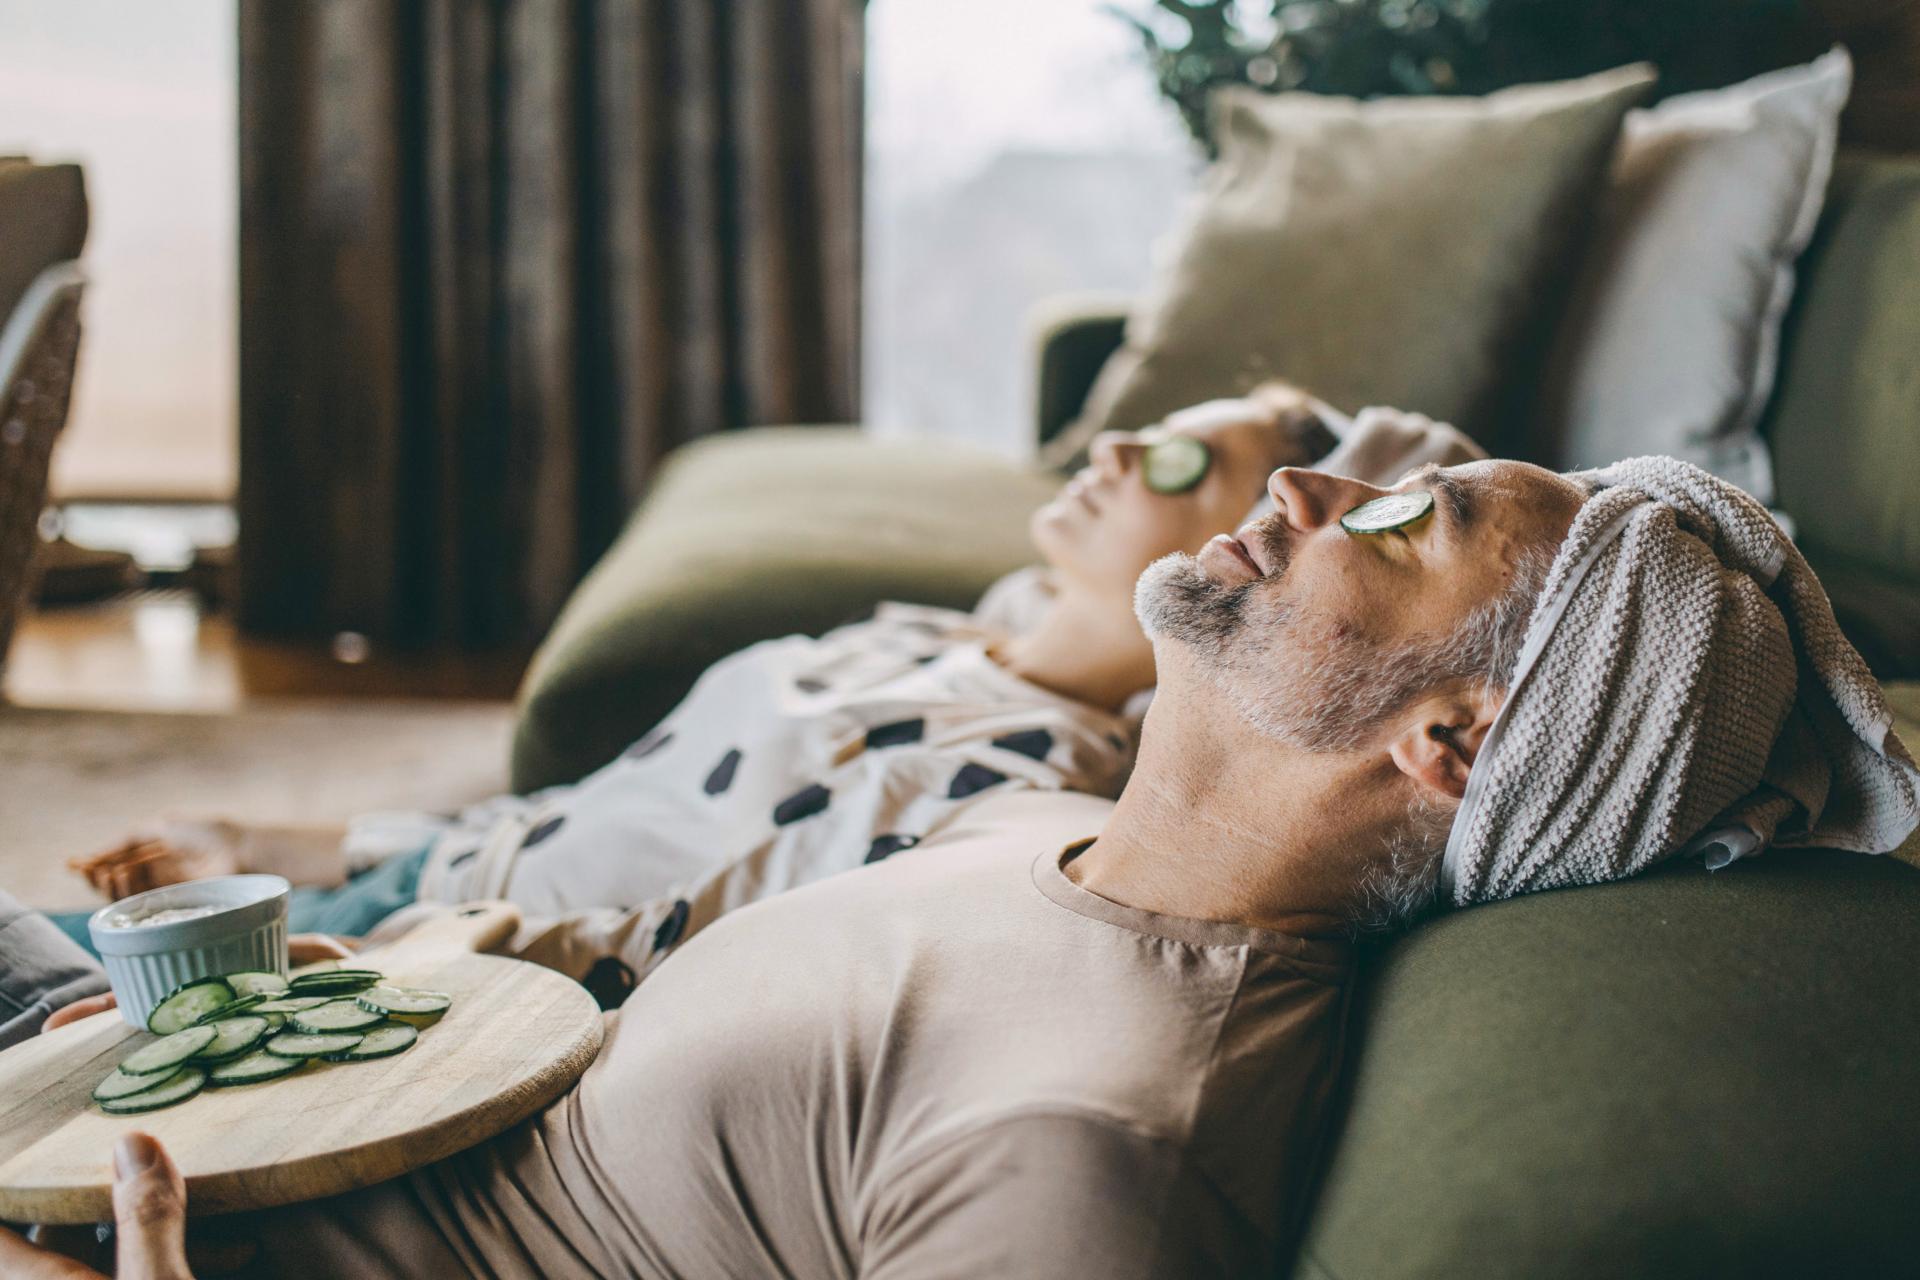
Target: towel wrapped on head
{"type": "Point", "coordinates": [1683, 688]}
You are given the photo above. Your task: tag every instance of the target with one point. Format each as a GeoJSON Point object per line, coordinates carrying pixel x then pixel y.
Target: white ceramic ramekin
{"type": "Point", "coordinates": [145, 963]}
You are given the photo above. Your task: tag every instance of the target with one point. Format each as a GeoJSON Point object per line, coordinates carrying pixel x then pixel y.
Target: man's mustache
{"type": "Point", "coordinates": [1275, 539]}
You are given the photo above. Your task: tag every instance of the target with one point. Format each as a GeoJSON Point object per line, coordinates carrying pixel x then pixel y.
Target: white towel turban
{"type": "Point", "coordinates": [1683, 688]}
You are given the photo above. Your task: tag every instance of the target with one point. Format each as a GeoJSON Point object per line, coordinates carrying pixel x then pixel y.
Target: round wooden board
{"type": "Point", "coordinates": [516, 1038]}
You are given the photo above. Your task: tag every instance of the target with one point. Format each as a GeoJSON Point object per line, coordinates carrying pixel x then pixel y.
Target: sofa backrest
{"type": "Point", "coordinates": [1845, 418]}
{"type": "Point", "coordinates": [1687, 1074]}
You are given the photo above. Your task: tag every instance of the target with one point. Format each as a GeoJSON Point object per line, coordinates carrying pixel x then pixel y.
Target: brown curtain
{"type": "Point", "coordinates": [497, 257]}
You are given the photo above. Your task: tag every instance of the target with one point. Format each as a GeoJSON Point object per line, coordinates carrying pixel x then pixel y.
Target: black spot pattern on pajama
{"type": "Point", "coordinates": [722, 776]}
{"type": "Point", "coordinates": [897, 734]}
{"type": "Point", "coordinates": [647, 745]}
{"type": "Point", "coordinates": [609, 982]}
{"type": "Point", "coordinates": [972, 778]}
{"type": "Point", "coordinates": [803, 803]}
{"type": "Point", "coordinates": [463, 859]}
{"type": "Point", "coordinates": [673, 926]}
{"type": "Point", "coordinates": [807, 684]}
{"type": "Point", "coordinates": [542, 830]}
{"type": "Point", "coordinates": [1028, 742]}
{"type": "Point", "coordinates": [886, 846]}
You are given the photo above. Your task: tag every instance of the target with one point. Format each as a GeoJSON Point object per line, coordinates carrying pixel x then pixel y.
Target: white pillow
{"type": "Point", "coordinates": [1670, 339]}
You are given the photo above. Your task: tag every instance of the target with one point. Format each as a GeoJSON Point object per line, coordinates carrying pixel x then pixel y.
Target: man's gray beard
{"type": "Point", "coordinates": [1294, 675]}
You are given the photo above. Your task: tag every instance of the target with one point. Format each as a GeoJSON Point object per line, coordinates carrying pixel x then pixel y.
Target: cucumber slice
{"type": "Point", "coordinates": [1384, 514]}
{"type": "Point", "coordinates": [167, 1052]}
{"type": "Point", "coordinates": [120, 1084]}
{"type": "Point", "coordinates": [178, 1087]}
{"type": "Point", "coordinates": [298, 1044]}
{"type": "Point", "coordinates": [233, 1038]}
{"type": "Point", "coordinates": [187, 1003]}
{"type": "Point", "coordinates": [331, 986]}
{"type": "Point", "coordinates": [256, 982]}
{"type": "Point", "coordinates": [1174, 464]}
{"type": "Point", "coordinates": [324, 975]}
{"type": "Point", "coordinates": [335, 1015]}
{"type": "Point", "coordinates": [382, 1041]}
{"type": "Point", "coordinates": [404, 1000]}
{"type": "Point", "coordinates": [290, 1004]}
{"type": "Point", "coordinates": [231, 1009]}
{"type": "Point", "coordinates": [252, 1068]}
{"type": "Point", "coordinates": [275, 1021]}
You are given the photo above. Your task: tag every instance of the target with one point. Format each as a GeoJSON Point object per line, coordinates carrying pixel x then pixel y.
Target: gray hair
{"type": "Point", "coordinates": [1403, 885]}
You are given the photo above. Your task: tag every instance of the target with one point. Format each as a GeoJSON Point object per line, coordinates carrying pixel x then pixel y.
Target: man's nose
{"type": "Point", "coordinates": [1314, 499]}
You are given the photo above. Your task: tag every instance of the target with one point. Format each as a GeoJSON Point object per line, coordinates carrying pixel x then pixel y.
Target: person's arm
{"type": "Point", "coordinates": [1046, 1195]}
{"type": "Point", "coordinates": [180, 849]}
{"type": "Point", "coordinates": [41, 969]}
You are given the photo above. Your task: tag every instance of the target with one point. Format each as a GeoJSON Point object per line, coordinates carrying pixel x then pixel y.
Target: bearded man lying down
{"type": "Point", "coordinates": [1092, 1039]}
{"type": "Point", "coordinates": [801, 757]}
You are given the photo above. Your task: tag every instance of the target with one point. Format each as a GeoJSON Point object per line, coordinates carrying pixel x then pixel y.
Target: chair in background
{"type": "Point", "coordinates": [43, 224]}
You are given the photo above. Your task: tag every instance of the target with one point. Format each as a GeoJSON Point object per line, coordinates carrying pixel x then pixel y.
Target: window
{"type": "Point", "coordinates": [1016, 150]}
{"type": "Point", "coordinates": [143, 96]}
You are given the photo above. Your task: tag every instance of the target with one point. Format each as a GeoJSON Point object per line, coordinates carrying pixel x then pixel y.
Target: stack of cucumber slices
{"type": "Point", "coordinates": [244, 1028]}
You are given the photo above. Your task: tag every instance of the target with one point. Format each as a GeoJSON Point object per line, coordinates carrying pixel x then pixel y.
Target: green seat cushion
{"type": "Point", "coordinates": [754, 534]}
{"type": "Point", "coordinates": [1845, 424]}
{"type": "Point", "coordinates": [1691, 1074]}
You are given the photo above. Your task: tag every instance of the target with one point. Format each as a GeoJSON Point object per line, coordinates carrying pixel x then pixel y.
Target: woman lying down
{"type": "Point", "coordinates": [798, 758]}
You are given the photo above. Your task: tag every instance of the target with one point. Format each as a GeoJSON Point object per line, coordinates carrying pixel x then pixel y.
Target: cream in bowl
{"type": "Point", "coordinates": [154, 941]}
{"type": "Point", "coordinates": [165, 915]}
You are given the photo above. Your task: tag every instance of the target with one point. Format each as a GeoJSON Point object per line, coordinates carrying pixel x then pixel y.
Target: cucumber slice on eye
{"type": "Point", "coordinates": [187, 1003]}
{"type": "Point", "coordinates": [1174, 464]}
{"type": "Point", "coordinates": [1384, 514]}
{"type": "Point", "coordinates": [167, 1052]}
{"type": "Point", "coordinates": [178, 1087]}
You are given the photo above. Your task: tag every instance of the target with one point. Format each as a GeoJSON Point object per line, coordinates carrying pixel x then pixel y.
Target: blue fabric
{"type": "Point", "coordinates": [349, 910]}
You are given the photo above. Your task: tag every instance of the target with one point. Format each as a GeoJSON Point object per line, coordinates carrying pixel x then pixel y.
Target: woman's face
{"type": "Point", "coordinates": [1105, 526]}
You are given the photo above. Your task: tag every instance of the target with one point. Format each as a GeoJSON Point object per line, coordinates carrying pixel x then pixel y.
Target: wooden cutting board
{"type": "Point", "coordinates": [516, 1038]}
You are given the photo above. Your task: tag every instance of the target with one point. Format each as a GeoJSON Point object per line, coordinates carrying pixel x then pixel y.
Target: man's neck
{"type": "Point", "coordinates": [1086, 646]}
{"type": "Point", "coordinates": [1218, 823]}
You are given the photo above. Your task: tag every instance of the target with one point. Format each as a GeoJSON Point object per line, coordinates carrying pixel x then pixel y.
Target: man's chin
{"type": "Point", "coordinates": [1175, 600]}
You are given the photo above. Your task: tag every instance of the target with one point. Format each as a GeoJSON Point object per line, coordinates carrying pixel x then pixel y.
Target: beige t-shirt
{"type": "Point", "coordinates": [957, 1063]}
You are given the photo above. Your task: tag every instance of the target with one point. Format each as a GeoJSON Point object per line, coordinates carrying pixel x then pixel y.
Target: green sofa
{"type": "Point", "coordinates": [1683, 1075]}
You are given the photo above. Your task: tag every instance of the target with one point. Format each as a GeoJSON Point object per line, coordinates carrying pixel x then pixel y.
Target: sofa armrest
{"type": "Point", "coordinates": [1073, 335]}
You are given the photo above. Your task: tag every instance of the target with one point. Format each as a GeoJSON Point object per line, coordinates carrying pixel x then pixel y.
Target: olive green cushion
{"type": "Point", "coordinates": [1845, 425]}
{"type": "Point", "coordinates": [1686, 1075]}
{"type": "Point", "coordinates": [754, 534]}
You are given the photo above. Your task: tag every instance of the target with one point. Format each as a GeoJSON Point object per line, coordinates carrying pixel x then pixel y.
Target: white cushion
{"type": "Point", "coordinates": [1671, 336]}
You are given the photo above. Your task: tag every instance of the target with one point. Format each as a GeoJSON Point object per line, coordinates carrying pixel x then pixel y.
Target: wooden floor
{"type": "Point", "coordinates": [158, 651]}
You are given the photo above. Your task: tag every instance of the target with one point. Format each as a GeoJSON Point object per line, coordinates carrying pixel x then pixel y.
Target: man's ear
{"type": "Point", "coordinates": [1441, 735]}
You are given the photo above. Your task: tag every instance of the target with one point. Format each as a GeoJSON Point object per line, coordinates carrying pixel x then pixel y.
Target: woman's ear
{"type": "Point", "coordinates": [1441, 736]}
